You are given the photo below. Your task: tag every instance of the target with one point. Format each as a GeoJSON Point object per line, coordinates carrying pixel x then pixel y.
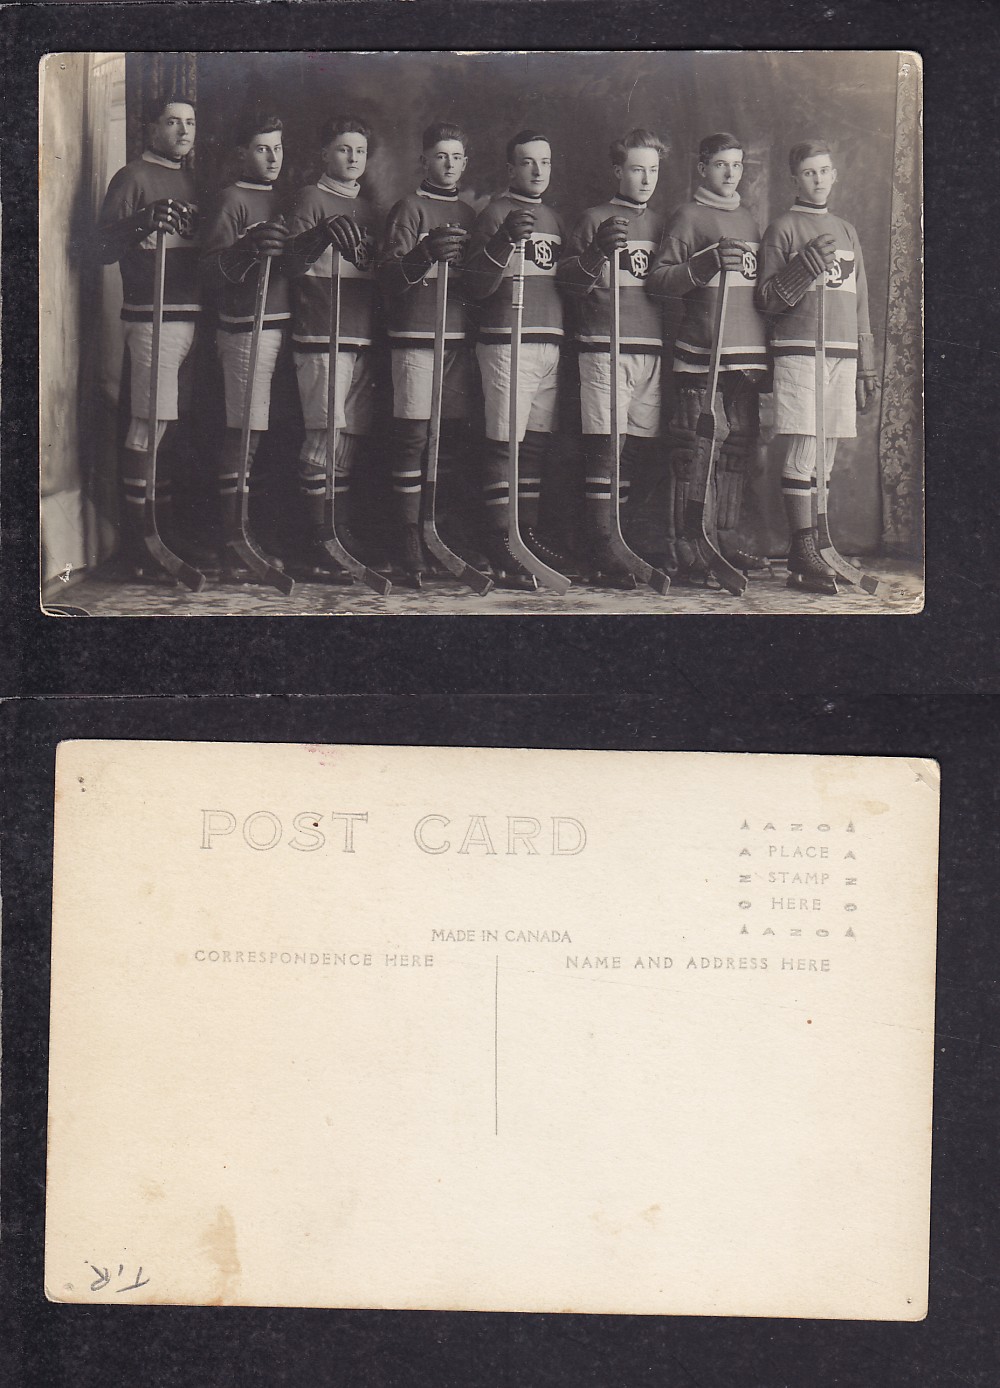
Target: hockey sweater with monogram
{"type": "Point", "coordinates": [410, 303]}
{"type": "Point", "coordinates": [311, 284]}
{"type": "Point", "coordinates": [490, 282]}
{"type": "Point", "coordinates": [588, 296]}
{"type": "Point", "coordinates": [698, 226]}
{"type": "Point", "coordinates": [144, 181]}
{"type": "Point", "coordinates": [242, 205]}
{"type": "Point", "coordinates": [793, 328]}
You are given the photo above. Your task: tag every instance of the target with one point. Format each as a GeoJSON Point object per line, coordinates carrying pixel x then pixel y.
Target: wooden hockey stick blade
{"type": "Point", "coordinates": [371, 578]}
{"type": "Point", "coordinates": [267, 573]}
{"type": "Point", "coordinates": [187, 574]}
{"type": "Point", "coordinates": [548, 578]}
{"type": "Point", "coordinates": [874, 587]}
{"type": "Point", "coordinates": [638, 567]}
{"type": "Point", "coordinates": [480, 583]}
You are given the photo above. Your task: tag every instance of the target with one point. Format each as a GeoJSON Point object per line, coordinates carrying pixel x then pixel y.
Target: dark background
{"type": "Point", "coordinates": [917, 686]}
{"type": "Point", "coordinates": [583, 101]}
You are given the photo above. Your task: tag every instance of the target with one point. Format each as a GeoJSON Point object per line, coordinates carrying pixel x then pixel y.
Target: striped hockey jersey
{"type": "Point", "coordinates": [793, 330]}
{"type": "Point", "coordinates": [411, 304]}
{"type": "Point", "coordinates": [144, 181]}
{"type": "Point", "coordinates": [311, 296]}
{"type": "Point", "coordinates": [242, 205]}
{"type": "Point", "coordinates": [589, 297]}
{"type": "Point", "coordinates": [698, 226]}
{"type": "Point", "coordinates": [491, 283]}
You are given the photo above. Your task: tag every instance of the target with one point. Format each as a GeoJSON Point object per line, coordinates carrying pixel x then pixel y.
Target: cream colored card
{"type": "Point", "coordinates": [491, 1029]}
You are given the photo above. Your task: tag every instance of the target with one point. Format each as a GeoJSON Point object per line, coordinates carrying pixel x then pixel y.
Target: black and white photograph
{"type": "Point", "coordinates": [614, 332]}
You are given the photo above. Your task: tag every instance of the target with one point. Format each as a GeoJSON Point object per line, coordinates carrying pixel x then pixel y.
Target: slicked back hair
{"type": "Point", "coordinates": [712, 145]}
{"type": "Point", "coordinates": [806, 149]}
{"type": "Point", "coordinates": [343, 125]}
{"type": "Point", "coordinates": [636, 139]}
{"type": "Point", "coordinates": [257, 123]}
{"type": "Point", "coordinates": [524, 137]}
{"type": "Point", "coordinates": [155, 109]}
{"type": "Point", "coordinates": [444, 130]}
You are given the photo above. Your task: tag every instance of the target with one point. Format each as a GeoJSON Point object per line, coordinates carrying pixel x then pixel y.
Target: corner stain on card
{"type": "Point", "coordinates": [219, 1243]}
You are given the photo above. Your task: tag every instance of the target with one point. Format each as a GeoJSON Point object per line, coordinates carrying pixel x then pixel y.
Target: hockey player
{"type": "Point", "coordinates": [799, 247]}
{"type": "Point", "coordinates": [425, 228]}
{"type": "Point", "coordinates": [244, 230]}
{"type": "Point", "coordinates": [514, 216]}
{"type": "Point", "coordinates": [330, 216]}
{"type": "Point", "coordinates": [150, 194]}
{"type": "Point", "coordinates": [624, 227]}
{"type": "Point", "coordinates": [714, 232]}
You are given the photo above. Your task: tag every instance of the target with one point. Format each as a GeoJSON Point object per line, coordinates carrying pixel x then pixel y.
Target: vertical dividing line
{"type": "Point", "coordinates": [496, 1047]}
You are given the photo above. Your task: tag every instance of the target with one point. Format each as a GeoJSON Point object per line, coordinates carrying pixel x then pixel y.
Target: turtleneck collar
{"type": "Point", "coordinates": [816, 208]}
{"type": "Point", "coordinates": [260, 187]}
{"type": "Point", "coordinates": [334, 185]}
{"type": "Point", "coordinates": [709, 199]}
{"type": "Point", "coordinates": [160, 159]}
{"type": "Point", "coordinates": [620, 200]}
{"type": "Point", "coordinates": [431, 190]}
{"type": "Point", "coordinates": [524, 197]}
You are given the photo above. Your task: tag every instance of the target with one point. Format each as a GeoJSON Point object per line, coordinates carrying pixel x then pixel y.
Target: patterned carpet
{"type": "Point", "coordinates": [99, 596]}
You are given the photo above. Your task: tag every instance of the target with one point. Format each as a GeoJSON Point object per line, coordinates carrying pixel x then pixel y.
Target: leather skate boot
{"type": "Point", "coordinates": [508, 571]}
{"type": "Point", "coordinates": [807, 569]}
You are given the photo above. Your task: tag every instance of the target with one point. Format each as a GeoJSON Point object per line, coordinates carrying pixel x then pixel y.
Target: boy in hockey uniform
{"type": "Point", "coordinates": [245, 230]}
{"type": "Point", "coordinates": [711, 233]}
{"type": "Point", "coordinates": [424, 229]}
{"type": "Point", "coordinates": [624, 227]}
{"type": "Point", "coordinates": [514, 216]}
{"type": "Point", "coordinates": [153, 193]}
{"type": "Point", "coordinates": [329, 216]}
{"type": "Point", "coordinates": [799, 247]}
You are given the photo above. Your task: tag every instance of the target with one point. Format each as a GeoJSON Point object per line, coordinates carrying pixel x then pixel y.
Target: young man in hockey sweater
{"type": "Point", "coordinates": [711, 233]}
{"type": "Point", "coordinates": [327, 217]}
{"type": "Point", "coordinates": [801, 246]}
{"type": "Point", "coordinates": [153, 193]}
{"type": "Point", "coordinates": [424, 229]}
{"type": "Point", "coordinates": [244, 230]}
{"type": "Point", "coordinates": [514, 216]}
{"type": "Point", "coordinates": [623, 227]}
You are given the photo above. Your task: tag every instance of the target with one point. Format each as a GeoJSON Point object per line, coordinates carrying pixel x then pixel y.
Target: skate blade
{"type": "Point", "coordinates": [827, 587]}
{"type": "Point", "coordinates": [625, 583]}
{"type": "Point", "coordinates": [516, 583]}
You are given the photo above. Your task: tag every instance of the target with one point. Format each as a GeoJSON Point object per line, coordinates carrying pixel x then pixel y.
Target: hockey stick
{"type": "Point", "coordinates": [190, 576]}
{"type": "Point", "coordinates": [636, 565]}
{"type": "Point", "coordinates": [479, 582]}
{"type": "Point", "coordinates": [549, 578]}
{"type": "Point", "coordinates": [875, 587]}
{"type": "Point", "coordinates": [241, 544]}
{"type": "Point", "coordinates": [698, 508]}
{"type": "Point", "coordinates": [332, 545]}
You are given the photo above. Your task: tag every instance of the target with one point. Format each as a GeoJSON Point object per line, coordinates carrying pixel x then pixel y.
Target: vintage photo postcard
{"type": "Point", "coordinates": [612, 332]}
{"type": "Point", "coordinates": [496, 1030]}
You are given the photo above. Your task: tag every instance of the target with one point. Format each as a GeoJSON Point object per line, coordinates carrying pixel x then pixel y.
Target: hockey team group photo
{"type": "Point", "coordinates": [426, 333]}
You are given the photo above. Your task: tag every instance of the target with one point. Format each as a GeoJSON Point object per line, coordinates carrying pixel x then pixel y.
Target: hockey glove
{"type": "Point", "coordinates": [867, 387]}
{"type": "Point", "coordinates": [820, 253]}
{"type": "Point", "coordinates": [447, 243]}
{"type": "Point", "coordinates": [731, 254]}
{"type": "Point", "coordinates": [793, 279]}
{"type": "Point", "coordinates": [704, 266]}
{"type": "Point", "coordinates": [517, 224]}
{"type": "Point", "coordinates": [166, 214]}
{"type": "Point", "coordinates": [344, 235]}
{"type": "Point", "coordinates": [266, 239]}
{"type": "Point", "coordinates": [609, 238]}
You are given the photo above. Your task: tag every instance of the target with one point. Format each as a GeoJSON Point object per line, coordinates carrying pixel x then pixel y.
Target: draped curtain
{"type": "Point", "coordinates": [901, 424]}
